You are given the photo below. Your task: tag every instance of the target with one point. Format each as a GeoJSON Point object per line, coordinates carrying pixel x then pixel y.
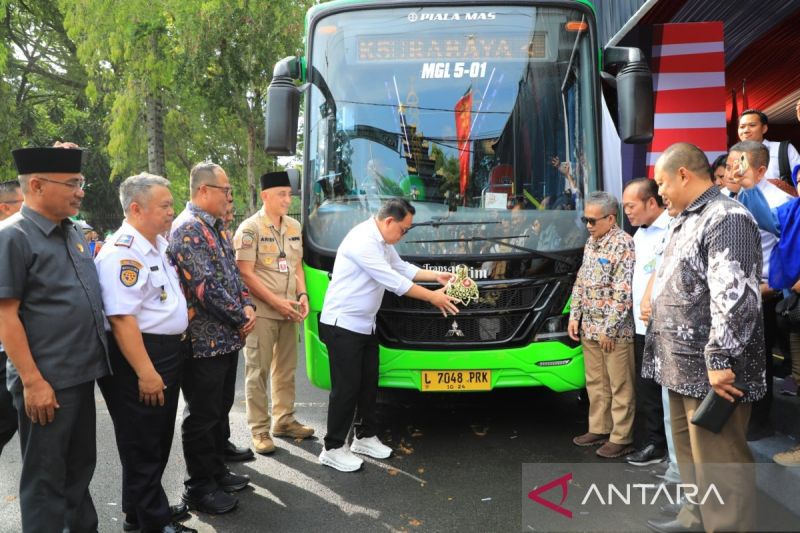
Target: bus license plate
{"type": "Point", "coordinates": [456, 380]}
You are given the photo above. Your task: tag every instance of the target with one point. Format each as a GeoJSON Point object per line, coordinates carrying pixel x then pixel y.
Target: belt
{"type": "Point", "coordinates": [153, 337]}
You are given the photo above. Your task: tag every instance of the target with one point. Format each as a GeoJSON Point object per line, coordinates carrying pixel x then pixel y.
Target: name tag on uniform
{"type": "Point", "coordinates": [283, 265]}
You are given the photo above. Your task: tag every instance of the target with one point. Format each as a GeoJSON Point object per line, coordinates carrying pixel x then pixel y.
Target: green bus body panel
{"type": "Point", "coordinates": [399, 368]}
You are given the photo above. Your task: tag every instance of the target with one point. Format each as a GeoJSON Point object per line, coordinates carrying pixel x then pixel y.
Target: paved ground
{"type": "Point", "coordinates": [457, 467]}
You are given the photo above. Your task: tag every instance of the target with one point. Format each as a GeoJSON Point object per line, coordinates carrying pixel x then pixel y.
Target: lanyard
{"type": "Point", "coordinates": [280, 246]}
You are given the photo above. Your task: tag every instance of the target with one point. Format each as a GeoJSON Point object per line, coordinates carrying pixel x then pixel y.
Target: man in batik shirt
{"type": "Point", "coordinates": [221, 315]}
{"type": "Point", "coordinates": [600, 317]}
{"type": "Point", "coordinates": [706, 333]}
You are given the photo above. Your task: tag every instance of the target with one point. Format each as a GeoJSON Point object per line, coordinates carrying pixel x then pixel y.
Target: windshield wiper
{"type": "Point", "coordinates": [442, 221]}
{"type": "Point", "coordinates": [500, 240]}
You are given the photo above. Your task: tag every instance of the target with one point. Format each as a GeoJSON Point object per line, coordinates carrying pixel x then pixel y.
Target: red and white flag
{"type": "Point", "coordinates": [463, 112]}
{"type": "Point", "coordinates": [688, 64]}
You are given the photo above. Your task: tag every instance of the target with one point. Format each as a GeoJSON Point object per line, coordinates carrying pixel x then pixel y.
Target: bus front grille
{"type": "Point", "coordinates": [506, 315]}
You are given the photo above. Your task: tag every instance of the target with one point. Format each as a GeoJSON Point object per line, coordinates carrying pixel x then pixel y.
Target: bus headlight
{"type": "Point", "coordinates": [555, 329]}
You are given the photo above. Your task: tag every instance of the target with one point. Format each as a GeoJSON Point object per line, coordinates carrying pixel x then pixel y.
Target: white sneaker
{"type": "Point", "coordinates": [340, 459]}
{"type": "Point", "coordinates": [371, 446]}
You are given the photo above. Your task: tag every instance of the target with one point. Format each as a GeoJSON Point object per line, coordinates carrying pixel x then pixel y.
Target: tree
{"type": "Point", "coordinates": [126, 48]}
{"type": "Point", "coordinates": [230, 49]}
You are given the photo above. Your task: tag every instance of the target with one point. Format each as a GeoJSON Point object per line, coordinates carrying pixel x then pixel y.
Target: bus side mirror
{"type": "Point", "coordinates": [634, 94]}
{"type": "Point", "coordinates": [294, 180]}
{"type": "Point", "coordinates": [283, 109]}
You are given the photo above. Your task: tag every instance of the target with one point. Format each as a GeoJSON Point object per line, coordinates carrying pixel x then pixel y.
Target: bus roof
{"type": "Point", "coordinates": [335, 4]}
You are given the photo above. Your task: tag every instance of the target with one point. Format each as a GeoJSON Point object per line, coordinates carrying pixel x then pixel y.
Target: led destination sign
{"type": "Point", "coordinates": [470, 47]}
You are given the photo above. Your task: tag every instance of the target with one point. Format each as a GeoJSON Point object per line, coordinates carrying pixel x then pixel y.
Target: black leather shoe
{"type": "Point", "coordinates": [174, 527]}
{"type": "Point", "coordinates": [237, 454]}
{"type": "Point", "coordinates": [216, 502]}
{"type": "Point", "coordinates": [232, 482]}
{"type": "Point", "coordinates": [649, 455]}
{"type": "Point", "coordinates": [179, 511]}
{"type": "Point", "coordinates": [672, 526]}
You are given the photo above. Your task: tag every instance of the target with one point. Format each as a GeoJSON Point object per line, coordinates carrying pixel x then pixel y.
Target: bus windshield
{"type": "Point", "coordinates": [483, 117]}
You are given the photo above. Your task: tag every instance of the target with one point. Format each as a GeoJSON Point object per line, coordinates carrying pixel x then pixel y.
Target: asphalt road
{"type": "Point", "coordinates": [457, 466]}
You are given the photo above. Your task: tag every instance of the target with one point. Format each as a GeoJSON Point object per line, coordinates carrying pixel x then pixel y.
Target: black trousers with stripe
{"type": "Point", "coordinates": [144, 433]}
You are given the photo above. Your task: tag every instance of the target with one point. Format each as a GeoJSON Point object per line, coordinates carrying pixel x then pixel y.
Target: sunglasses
{"type": "Point", "coordinates": [593, 221]}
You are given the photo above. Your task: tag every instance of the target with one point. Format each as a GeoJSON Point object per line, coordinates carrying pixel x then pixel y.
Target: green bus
{"type": "Point", "coordinates": [487, 116]}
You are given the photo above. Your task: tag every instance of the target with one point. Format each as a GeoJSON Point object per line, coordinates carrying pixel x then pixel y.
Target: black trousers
{"type": "Point", "coordinates": [354, 384]}
{"type": "Point", "coordinates": [144, 433]}
{"type": "Point", "coordinates": [208, 387]}
{"type": "Point", "coordinates": [759, 417]}
{"type": "Point", "coordinates": [58, 461]}
{"type": "Point", "coordinates": [8, 415]}
{"type": "Point", "coordinates": [649, 409]}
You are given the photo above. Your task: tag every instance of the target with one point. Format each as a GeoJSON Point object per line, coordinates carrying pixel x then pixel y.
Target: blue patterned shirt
{"type": "Point", "coordinates": [706, 303]}
{"type": "Point", "coordinates": [215, 292]}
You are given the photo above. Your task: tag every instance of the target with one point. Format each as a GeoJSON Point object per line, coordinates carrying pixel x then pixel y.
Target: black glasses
{"type": "Point", "coordinates": [72, 184]}
{"type": "Point", "coordinates": [226, 190]}
{"type": "Point", "coordinates": [593, 221]}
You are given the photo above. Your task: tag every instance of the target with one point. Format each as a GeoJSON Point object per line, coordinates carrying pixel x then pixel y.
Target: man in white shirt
{"type": "Point", "coordinates": [753, 125]}
{"type": "Point", "coordinates": [146, 321]}
{"type": "Point", "coordinates": [757, 157]}
{"type": "Point", "coordinates": [366, 265]}
{"type": "Point", "coordinates": [645, 210]}
{"type": "Point", "coordinates": [731, 182]}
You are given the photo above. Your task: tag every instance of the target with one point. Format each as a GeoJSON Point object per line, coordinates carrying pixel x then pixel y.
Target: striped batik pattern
{"type": "Point", "coordinates": [688, 64]}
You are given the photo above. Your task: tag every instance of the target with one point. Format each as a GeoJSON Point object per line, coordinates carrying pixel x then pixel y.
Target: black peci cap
{"type": "Point", "coordinates": [53, 160]}
{"type": "Point", "coordinates": [275, 179]}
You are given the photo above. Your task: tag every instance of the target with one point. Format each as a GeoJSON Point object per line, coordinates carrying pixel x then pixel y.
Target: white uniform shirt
{"type": "Point", "coordinates": [649, 245]}
{"type": "Point", "coordinates": [775, 198]}
{"type": "Point", "coordinates": [774, 168]}
{"type": "Point", "coordinates": [181, 219]}
{"type": "Point", "coordinates": [137, 279]}
{"type": "Point", "coordinates": [365, 266]}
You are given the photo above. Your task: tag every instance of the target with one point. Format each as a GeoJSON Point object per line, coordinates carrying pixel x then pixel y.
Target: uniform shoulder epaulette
{"type": "Point", "coordinates": [124, 240]}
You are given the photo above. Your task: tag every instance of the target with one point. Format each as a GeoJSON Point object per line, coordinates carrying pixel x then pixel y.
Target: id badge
{"type": "Point", "coordinates": [283, 265]}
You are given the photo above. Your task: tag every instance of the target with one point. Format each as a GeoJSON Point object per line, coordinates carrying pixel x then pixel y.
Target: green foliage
{"type": "Point", "coordinates": [448, 169]}
{"type": "Point", "coordinates": [80, 70]}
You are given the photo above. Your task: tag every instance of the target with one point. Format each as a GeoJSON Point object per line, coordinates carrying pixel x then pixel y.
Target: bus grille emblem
{"type": "Point", "coordinates": [454, 331]}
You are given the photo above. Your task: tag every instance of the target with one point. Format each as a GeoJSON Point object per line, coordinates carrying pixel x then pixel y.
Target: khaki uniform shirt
{"type": "Point", "coordinates": [259, 241]}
